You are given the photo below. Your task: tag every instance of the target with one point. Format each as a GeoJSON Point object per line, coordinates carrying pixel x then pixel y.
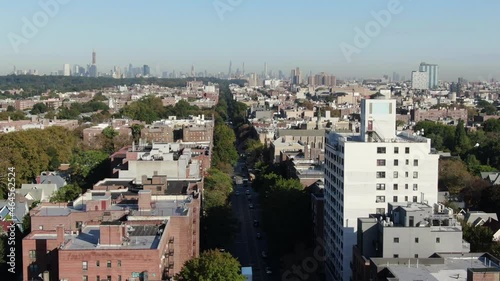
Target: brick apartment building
{"type": "Point", "coordinates": [439, 114]}
{"type": "Point", "coordinates": [200, 133]}
{"type": "Point", "coordinates": [158, 133]}
{"type": "Point", "coordinates": [113, 235]}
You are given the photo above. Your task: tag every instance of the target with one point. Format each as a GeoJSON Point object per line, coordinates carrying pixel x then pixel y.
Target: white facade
{"type": "Point", "coordinates": [66, 70]}
{"type": "Point", "coordinates": [365, 172]}
{"type": "Point", "coordinates": [432, 72]}
{"type": "Point", "coordinates": [420, 80]}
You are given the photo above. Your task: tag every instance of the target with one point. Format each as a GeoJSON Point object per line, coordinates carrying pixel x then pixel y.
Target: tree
{"type": "Point", "coordinates": [39, 108]}
{"type": "Point", "coordinates": [66, 193]}
{"type": "Point", "coordinates": [211, 266]}
{"type": "Point", "coordinates": [10, 108]}
{"type": "Point", "coordinates": [89, 167]}
{"type": "Point", "coordinates": [224, 150]}
{"type": "Point", "coordinates": [491, 125]}
{"type": "Point", "coordinates": [453, 176]}
{"type": "Point", "coordinates": [462, 142]}
{"type": "Point", "coordinates": [479, 237]}
{"type": "Point", "coordinates": [136, 131]}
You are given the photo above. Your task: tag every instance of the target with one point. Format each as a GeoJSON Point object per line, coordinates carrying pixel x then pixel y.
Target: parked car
{"type": "Point", "coordinates": [255, 223]}
{"type": "Point", "coordinates": [264, 254]}
{"type": "Point", "coordinates": [250, 206]}
{"type": "Point", "coordinates": [247, 192]}
{"type": "Point", "coordinates": [237, 193]}
{"type": "Point", "coordinates": [259, 236]}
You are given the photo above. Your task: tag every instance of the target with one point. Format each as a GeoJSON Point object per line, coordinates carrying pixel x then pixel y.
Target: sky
{"type": "Point", "coordinates": [316, 35]}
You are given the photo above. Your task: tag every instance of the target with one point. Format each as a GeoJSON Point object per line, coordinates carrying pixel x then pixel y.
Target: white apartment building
{"type": "Point", "coordinates": [365, 171]}
{"type": "Point", "coordinates": [420, 80]}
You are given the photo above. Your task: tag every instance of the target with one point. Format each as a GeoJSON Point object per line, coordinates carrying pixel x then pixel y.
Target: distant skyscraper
{"type": "Point", "coordinates": [395, 77]}
{"type": "Point", "coordinates": [146, 71]}
{"type": "Point", "coordinates": [295, 76]}
{"type": "Point", "coordinates": [265, 70]}
{"type": "Point", "coordinates": [230, 71]}
{"type": "Point", "coordinates": [420, 80]}
{"type": "Point", "coordinates": [193, 74]}
{"type": "Point", "coordinates": [243, 70]}
{"type": "Point", "coordinates": [432, 71]}
{"type": "Point", "coordinates": [93, 57]}
{"type": "Point", "coordinates": [66, 70]}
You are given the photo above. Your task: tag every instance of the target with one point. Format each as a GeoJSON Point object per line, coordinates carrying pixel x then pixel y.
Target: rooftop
{"type": "Point", "coordinates": [444, 267]}
{"type": "Point", "coordinates": [401, 137]}
{"type": "Point", "coordinates": [140, 237]}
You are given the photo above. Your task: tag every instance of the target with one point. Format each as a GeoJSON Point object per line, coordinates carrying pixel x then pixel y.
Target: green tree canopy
{"type": "Point", "coordinates": [66, 193]}
{"type": "Point", "coordinates": [212, 265]}
{"type": "Point", "coordinates": [39, 108]}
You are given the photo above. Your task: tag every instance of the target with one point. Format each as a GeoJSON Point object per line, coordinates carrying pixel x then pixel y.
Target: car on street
{"type": "Point", "coordinates": [255, 223]}
{"type": "Point", "coordinates": [259, 236]}
{"type": "Point", "coordinates": [250, 206]}
{"type": "Point", "coordinates": [247, 192]}
{"type": "Point", "coordinates": [264, 254]}
{"type": "Point", "coordinates": [237, 193]}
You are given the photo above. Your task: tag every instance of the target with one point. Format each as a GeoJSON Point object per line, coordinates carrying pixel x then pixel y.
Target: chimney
{"type": "Point", "coordinates": [111, 234]}
{"type": "Point", "coordinates": [144, 202]}
{"type": "Point", "coordinates": [60, 233]}
{"type": "Point", "coordinates": [144, 179]}
{"type": "Point", "coordinates": [38, 179]}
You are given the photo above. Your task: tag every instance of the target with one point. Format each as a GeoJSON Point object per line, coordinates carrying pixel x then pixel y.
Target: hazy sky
{"type": "Point", "coordinates": [461, 36]}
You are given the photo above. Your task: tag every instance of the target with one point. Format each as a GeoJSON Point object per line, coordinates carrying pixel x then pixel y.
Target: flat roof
{"type": "Point", "coordinates": [452, 267]}
{"type": "Point", "coordinates": [140, 237]}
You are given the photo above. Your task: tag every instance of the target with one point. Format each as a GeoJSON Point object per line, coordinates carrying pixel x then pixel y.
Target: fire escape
{"type": "Point", "coordinates": [169, 258]}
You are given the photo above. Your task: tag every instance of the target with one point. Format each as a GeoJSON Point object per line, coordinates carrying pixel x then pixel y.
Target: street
{"type": "Point", "coordinates": [247, 248]}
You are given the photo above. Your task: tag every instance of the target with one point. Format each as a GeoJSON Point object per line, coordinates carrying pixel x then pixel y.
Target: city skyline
{"type": "Point", "coordinates": [300, 35]}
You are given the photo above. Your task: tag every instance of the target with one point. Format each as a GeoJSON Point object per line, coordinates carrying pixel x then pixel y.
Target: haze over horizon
{"type": "Point", "coordinates": [459, 36]}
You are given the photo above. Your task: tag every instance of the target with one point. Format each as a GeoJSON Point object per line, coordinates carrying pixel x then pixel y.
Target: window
{"type": "Point", "coordinates": [406, 186]}
{"type": "Point", "coordinates": [85, 278]}
{"type": "Point", "coordinates": [380, 199]}
{"type": "Point", "coordinates": [416, 256]}
{"type": "Point", "coordinates": [396, 162]}
{"type": "Point", "coordinates": [381, 162]}
{"type": "Point", "coordinates": [416, 239]}
{"type": "Point", "coordinates": [108, 264]}
{"type": "Point", "coordinates": [395, 175]}
{"type": "Point", "coordinates": [438, 240]}
{"type": "Point", "coordinates": [119, 263]}
{"type": "Point", "coordinates": [108, 278]}
{"type": "Point", "coordinates": [414, 198]}
{"type": "Point", "coordinates": [415, 187]}
{"type": "Point", "coordinates": [396, 150]}
{"type": "Point", "coordinates": [119, 278]}
{"type": "Point", "coordinates": [394, 199]}
{"type": "Point", "coordinates": [33, 268]}
{"type": "Point", "coordinates": [395, 256]}
{"type": "Point", "coordinates": [396, 239]}
{"type": "Point", "coordinates": [98, 278]}
{"type": "Point", "coordinates": [380, 211]}
{"type": "Point", "coordinates": [406, 174]}
{"type": "Point", "coordinates": [395, 186]}
{"type": "Point", "coordinates": [158, 188]}
{"type": "Point", "coordinates": [406, 198]}
{"type": "Point", "coordinates": [380, 186]}
{"type": "Point", "coordinates": [407, 162]}
{"type": "Point", "coordinates": [415, 162]}
{"type": "Point", "coordinates": [415, 175]}
{"type": "Point", "coordinates": [97, 263]}
{"type": "Point", "coordinates": [381, 150]}
{"type": "Point", "coordinates": [380, 175]}
{"type": "Point", "coordinates": [32, 254]}
{"type": "Point", "coordinates": [85, 265]}
{"type": "Point", "coordinates": [407, 150]}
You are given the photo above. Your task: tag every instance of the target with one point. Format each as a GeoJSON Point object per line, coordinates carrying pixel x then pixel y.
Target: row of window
{"type": "Point", "coordinates": [382, 162]}
{"type": "Point", "coordinates": [383, 150]}
{"type": "Point", "coordinates": [98, 278]}
{"type": "Point", "coordinates": [395, 174]}
{"type": "Point", "coordinates": [85, 264]}
{"type": "Point", "coordinates": [381, 186]}
{"type": "Point", "coordinates": [381, 199]}
{"type": "Point", "coordinates": [396, 240]}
